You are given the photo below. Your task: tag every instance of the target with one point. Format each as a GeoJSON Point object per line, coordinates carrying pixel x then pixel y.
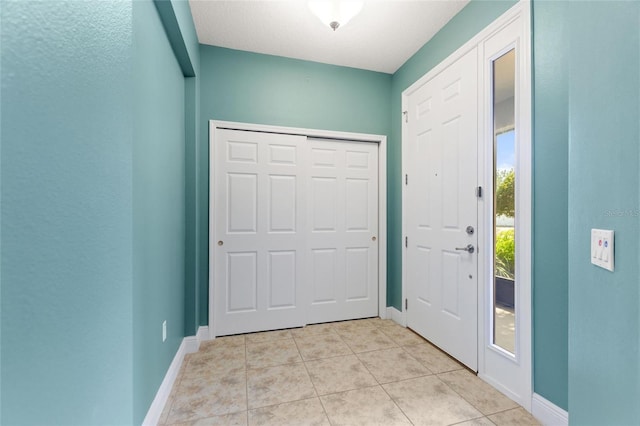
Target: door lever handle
{"type": "Point", "coordinates": [469, 248]}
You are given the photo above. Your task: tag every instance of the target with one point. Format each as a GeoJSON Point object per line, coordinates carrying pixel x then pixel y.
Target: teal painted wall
{"type": "Point", "coordinates": [158, 204]}
{"type": "Point", "coordinates": [192, 119]}
{"type": "Point", "coordinates": [0, 217]}
{"type": "Point", "coordinates": [97, 117]}
{"type": "Point", "coordinates": [187, 29]}
{"type": "Point", "coordinates": [604, 153]}
{"type": "Point", "coordinates": [550, 202]}
{"type": "Point", "coordinates": [180, 30]}
{"type": "Point", "coordinates": [254, 88]}
{"type": "Point", "coordinates": [192, 134]}
{"type": "Point", "coordinates": [460, 29]}
{"type": "Point", "coordinates": [67, 334]}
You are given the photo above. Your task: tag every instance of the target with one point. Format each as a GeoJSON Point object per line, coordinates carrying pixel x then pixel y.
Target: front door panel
{"type": "Point", "coordinates": [441, 202]}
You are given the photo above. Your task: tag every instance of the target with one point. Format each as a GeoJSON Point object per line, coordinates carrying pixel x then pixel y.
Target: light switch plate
{"type": "Point", "coordinates": [602, 252]}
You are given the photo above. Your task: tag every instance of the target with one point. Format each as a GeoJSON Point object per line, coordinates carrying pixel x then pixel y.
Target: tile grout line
{"type": "Point", "coordinates": [396, 404]}
{"type": "Point", "coordinates": [246, 376]}
{"type": "Point", "coordinates": [400, 380]}
{"type": "Point", "coordinates": [476, 418]}
{"type": "Point", "coordinates": [457, 393]}
{"type": "Point", "coordinates": [304, 362]}
{"type": "Point", "coordinates": [419, 362]}
{"type": "Point", "coordinates": [380, 385]}
{"type": "Point", "coordinates": [469, 402]}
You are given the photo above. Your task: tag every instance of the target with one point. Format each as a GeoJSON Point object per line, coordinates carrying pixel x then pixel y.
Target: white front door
{"type": "Point", "coordinates": [342, 247]}
{"type": "Point", "coordinates": [259, 191]}
{"type": "Point", "coordinates": [441, 210]}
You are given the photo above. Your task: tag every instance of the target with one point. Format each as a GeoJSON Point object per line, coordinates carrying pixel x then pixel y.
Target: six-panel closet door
{"type": "Point", "coordinates": [295, 227]}
{"type": "Point", "coordinates": [259, 229]}
{"type": "Point", "coordinates": [342, 253]}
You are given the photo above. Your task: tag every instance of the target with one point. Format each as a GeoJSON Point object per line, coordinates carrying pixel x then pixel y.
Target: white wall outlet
{"type": "Point", "coordinates": [164, 330]}
{"type": "Point", "coordinates": [602, 252]}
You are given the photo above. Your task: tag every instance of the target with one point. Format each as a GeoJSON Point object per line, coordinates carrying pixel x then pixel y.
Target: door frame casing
{"type": "Point", "coordinates": [499, 367]}
{"type": "Point", "coordinates": [522, 11]}
{"type": "Point", "coordinates": [380, 140]}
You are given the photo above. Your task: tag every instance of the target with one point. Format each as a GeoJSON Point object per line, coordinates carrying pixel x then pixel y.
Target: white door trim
{"type": "Point", "coordinates": [521, 10]}
{"type": "Point", "coordinates": [499, 366]}
{"type": "Point", "coordinates": [381, 140]}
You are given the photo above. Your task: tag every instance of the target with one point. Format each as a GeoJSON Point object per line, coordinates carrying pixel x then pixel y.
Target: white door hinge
{"type": "Point", "coordinates": [406, 116]}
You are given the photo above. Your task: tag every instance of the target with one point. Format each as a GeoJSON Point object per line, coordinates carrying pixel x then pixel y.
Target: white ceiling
{"type": "Point", "coordinates": [381, 38]}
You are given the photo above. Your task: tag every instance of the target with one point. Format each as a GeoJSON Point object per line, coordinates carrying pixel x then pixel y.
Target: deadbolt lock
{"type": "Point", "coordinates": [470, 230]}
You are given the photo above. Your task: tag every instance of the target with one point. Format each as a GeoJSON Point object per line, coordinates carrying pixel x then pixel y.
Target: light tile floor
{"type": "Point", "coordinates": [362, 372]}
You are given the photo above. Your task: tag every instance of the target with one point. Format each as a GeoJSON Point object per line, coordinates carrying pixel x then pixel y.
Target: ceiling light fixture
{"type": "Point", "coordinates": [335, 13]}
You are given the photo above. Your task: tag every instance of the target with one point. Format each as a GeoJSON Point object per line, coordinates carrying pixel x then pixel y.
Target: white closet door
{"type": "Point", "coordinates": [342, 248]}
{"type": "Point", "coordinates": [259, 191]}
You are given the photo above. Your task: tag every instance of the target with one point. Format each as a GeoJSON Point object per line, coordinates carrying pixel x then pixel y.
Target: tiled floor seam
{"type": "Point", "coordinates": [246, 377]}
{"type": "Point", "coordinates": [460, 395]}
{"type": "Point", "coordinates": [394, 381]}
{"type": "Point", "coordinates": [321, 358]}
{"type": "Point", "coordinates": [324, 409]}
{"type": "Point", "coordinates": [278, 403]}
{"type": "Point", "coordinates": [396, 403]}
{"type": "Point", "coordinates": [420, 362]}
{"type": "Point", "coordinates": [504, 411]}
{"type": "Point", "coordinates": [326, 357]}
{"type": "Point", "coordinates": [470, 420]}
{"type": "Point", "coordinates": [381, 385]}
{"type": "Point", "coordinates": [469, 402]}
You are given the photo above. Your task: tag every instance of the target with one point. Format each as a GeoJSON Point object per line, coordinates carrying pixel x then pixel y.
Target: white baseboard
{"type": "Point", "coordinates": [396, 315]}
{"type": "Point", "coordinates": [203, 333]}
{"type": "Point", "coordinates": [547, 412]}
{"type": "Point", "coordinates": [190, 344]}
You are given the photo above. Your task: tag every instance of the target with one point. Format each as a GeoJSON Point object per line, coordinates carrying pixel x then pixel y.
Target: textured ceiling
{"type": "Point", "coordinates": [381, 38]}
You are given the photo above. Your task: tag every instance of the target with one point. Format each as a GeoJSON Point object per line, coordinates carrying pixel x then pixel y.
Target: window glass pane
{"type": "Point", "coordinates": [504, 175]}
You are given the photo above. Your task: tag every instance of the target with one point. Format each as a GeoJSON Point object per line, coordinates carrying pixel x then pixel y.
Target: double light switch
{"type": "Point", "coordinates": [602, 248]}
